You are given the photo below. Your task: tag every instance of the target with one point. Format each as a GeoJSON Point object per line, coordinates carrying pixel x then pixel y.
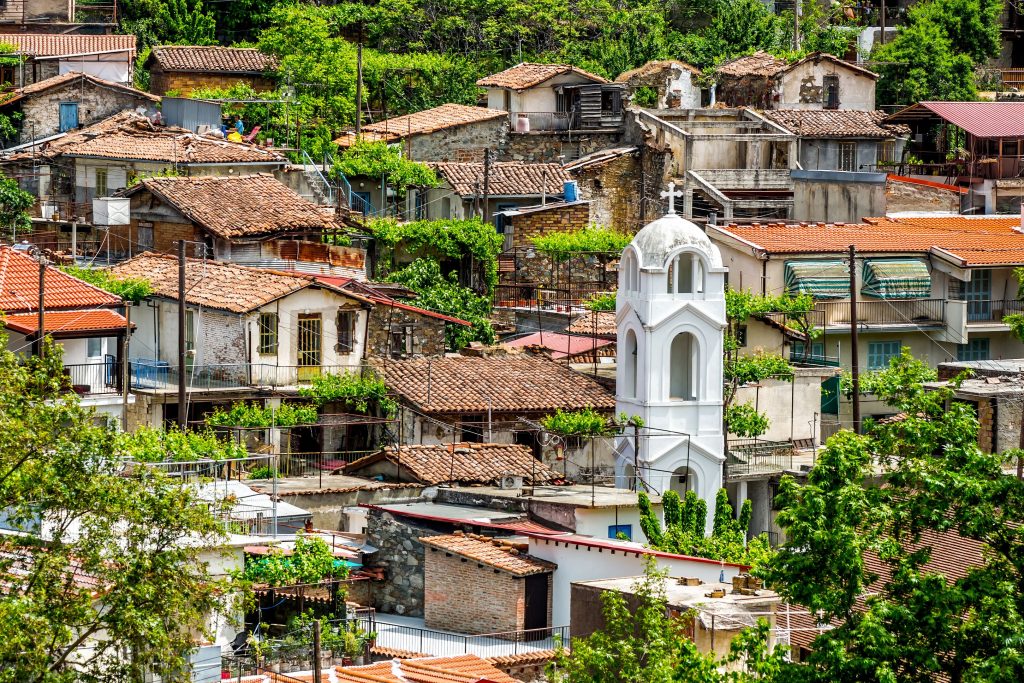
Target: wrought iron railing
{"type": "Point", "coordinates": [91, 379]}
{"type": "Point", "coordinates": [444, 644]}
{"type": "Point", "coordinates": [915, 312]}
{"type": "Point", "coordinates": [992, 310]}
{"type": "Point", "coordinates": [160, 375]}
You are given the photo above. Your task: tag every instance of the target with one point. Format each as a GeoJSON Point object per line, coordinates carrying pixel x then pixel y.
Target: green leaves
{"type": "Point", "coordinates": [745, 421]}
{"type": "Point", "coordinates": [381, 160]}
{"type": "Point", "coordinates": [586, 422]}
{"type": "Point", "coordinates": [593, 239]}
{"type": "Point", "coordinates": [310, 561]}
{"type": "Point", "coordinates": [601, 302]}
{"type": "Point", "coordinates": [252, 414]}
{"type": "Point", "coordinates": [361, 393]}
{"type": "Point", "coordinates": [14, 204]}
{"type": "Point", "coordinates": [128, 288]}
{"type": "Point", "coordinates": [148, 444]}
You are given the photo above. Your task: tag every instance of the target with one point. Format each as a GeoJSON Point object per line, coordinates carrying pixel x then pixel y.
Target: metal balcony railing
{"type": "Point", "coordinates": [542, 120]}
{"type": "Point", "coordinates": [992, 310]}
{"type": "Point", "coordinates": [911, 313]}
{"type": "Point", "coordinates": [92, 379]}
{"type": "Point", "coordinates": [755, 457]}
{"type": "Point", "coordinates": [147, 374]}
{"type": "Point", "coordinates": [444, 644]}
{"type": "Point", "coordinates": [560, 299]}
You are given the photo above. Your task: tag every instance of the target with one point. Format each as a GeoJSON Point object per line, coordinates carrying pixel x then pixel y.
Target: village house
{"type": "Point", "coordinates": [83, 320]}
{"type": "Point", "coordinates": [465, 464]}
{"type": "Point", "coordinates": [450, 132]}
{"type": "Point", "coordinates": [621, 184]}
{"type": "Point", "coordinates": [940, 285]}
{"type": "Point", "coordinates": [486, 400]}
{"type": "Point", "coordinates": [554, 97]}
{"type": "Point", "coordinates": [249, 333]}
{"type": "Point", "coordinates": [246, 219]}
{"type": "Point", "coordinates": [665, 84]}
{"type": "Point", "coordinates": [978, 146]}
{"type": "Point", "coordinates": [45, 55]}
{"type": "Point", "coordinates": [182, 69]}
{"type": "Point", "coordinates": [467, 189]}
{"type": "Point", "coordinates": [818, 81]}
{"type": "Point", "coordinates": [843, 140]}
{"type": "Point", "coordinates": [69, 101]}
{"type": "Point", "coordinates": [475, 584]}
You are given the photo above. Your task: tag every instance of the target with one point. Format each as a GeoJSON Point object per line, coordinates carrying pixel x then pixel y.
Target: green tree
{"type": "Point", "coordinates": [155, 22]}
{"type": "Point", "coordinates": [109, 580]}
{"type": "Point", "coordinates": [915, 622]}
{"type": "Point", "coordinates": [14, 206]}
{"type": "Point", "coordinates": [381, 161]}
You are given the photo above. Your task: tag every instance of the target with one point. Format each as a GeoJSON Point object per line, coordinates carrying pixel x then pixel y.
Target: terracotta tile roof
{"type": "Point", "coordinates": [239, 206]}
{"type": "Point", "coordinates": [19, 287]}
{"type": "Point", "coordinates": [527, 75]}
{"type": "Point", "coordinates": [134, 137]}
{"type": "Point", "coordinates": [67, 322]}
{"type": "Point", "coordinates": [757, 64]}
{"type": "Point", "coordinates": [468, 463]}
{"type": "Point", "coordinates": [601, 323]}
{"type": "Point", "coordinates": [55, 147]}
{"type": "Point", "coordinates": [507, 178]}
{"type": "Point", "coordinates": [245, 60]}
{"type": "Point", "coordinates": [532, 657]}
{"type": "Point", "coordinates": [72, 77]}
{"type": "Point", "coordinates": [458, 669]}
{"type": "Point", "coordinates": [492, 552]}
{"type": "Point", "coordinates": [560, 345]}
{"type": "Point", "coordinates": [424, 122]}
{"type": "Point", "coordinates": [215, 284]}
{"type": "Point", "coordinates": [507, 384]}
{"type": "Point", "coordinates": [970, 240]}
{"type": "Point", "coordinates": [600, 157]}
{"type": "Point", "coordinates": [60, 44]}
{"type": "Point", "coordinates": [835, 123]}
{"type": "Point", "coordinates": [654, 68]}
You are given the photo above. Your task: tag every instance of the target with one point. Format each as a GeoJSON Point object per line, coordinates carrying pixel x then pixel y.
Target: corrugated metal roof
{"type": "Point", "coordinates": [982, 119]}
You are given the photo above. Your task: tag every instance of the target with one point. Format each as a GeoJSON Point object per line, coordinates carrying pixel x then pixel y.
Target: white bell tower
{"type": "Point", "coordinates": [670, 312]}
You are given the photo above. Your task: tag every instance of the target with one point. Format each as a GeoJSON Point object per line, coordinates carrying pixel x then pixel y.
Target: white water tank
{"type": "Point", "coordinates": [522, 123]}
{"type": "Point", "coordinates": [111, 211]}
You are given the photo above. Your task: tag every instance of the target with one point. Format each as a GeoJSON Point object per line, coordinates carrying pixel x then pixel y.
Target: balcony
{"type": "Point", "coordinates": [160, 376]}
{"type": "Point", "coordinates": [95, 379]}
{"type": "Point", "coordinates": [992, 311]}
{"type": "Point", "coordinates": [547, 122]}
{"type": "Point", "coordinates": [916, 313]}
{"type": "Point", "coordinates": [754, 458]}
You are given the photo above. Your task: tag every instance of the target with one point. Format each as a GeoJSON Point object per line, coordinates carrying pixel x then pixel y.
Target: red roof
{"type": "Point", "coordinates": [68, 322]}
{"type": "Point", "coordinates": [981, 119]}
{"type": "Point", "coordinates": [560, 345]}
{"type": "Point", "coordinates": [376, 297]}
{"type": "Point", "coordinates": [19, 287]}
{"type": "Point", "coordinates": [927, 183]}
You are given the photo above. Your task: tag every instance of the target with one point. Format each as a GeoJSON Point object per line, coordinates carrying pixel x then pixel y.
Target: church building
{"type": "Point", "coordinates": [670, 313]}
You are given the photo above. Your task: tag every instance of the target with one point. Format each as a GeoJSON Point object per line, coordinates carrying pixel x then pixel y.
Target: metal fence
{"type": "Point", "coordinates": [756, 457]}
{"type": "Point", "coordinates": [562, 299]}
{"type": "Point", "coordinates": [443, 644]}
{"type": "Point", "coordinates": [162, 376]}
{"type": "Point", "coordinates": [89, 379]}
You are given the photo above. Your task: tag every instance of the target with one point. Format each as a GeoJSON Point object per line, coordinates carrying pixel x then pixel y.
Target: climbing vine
{"type": "Point", "coordinates": [359, 393]}
{"type": "Point", "coordinates": [251, 414]}
{"type": "Point", "coordinates": [133, 289]}
{"type": "Point", "coordinates": [593, 239]}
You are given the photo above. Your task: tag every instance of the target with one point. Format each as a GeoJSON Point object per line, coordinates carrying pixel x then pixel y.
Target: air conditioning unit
{"type": "Point", "coordinates": [510, 481]}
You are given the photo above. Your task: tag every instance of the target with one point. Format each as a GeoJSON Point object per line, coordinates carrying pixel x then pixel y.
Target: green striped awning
{"type": "Point", "coordinates": [820, 279]}
{"type": "Point", "coordinates": [897, 279]}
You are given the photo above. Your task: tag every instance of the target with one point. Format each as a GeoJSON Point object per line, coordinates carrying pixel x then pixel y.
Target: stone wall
{"type": "Point", "coordinates": [183, 83]}
{"type": "Point", "coordinates": [557, 219]}
{"type": "Point", "coordinates": [42, 111]}
{"type": "Point", "coordinates": [459, 143]}
{"type": "Point", "coordinates": [541, 146]}
{"type": "Point", "coordinates": [400, 554]}
{"type": "Point", "coordinates": [427, 332]}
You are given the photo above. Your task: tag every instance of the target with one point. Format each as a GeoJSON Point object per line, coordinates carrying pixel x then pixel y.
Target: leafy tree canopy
{"type": "Point", "coordinates": [128, 288]}
{"type": "Point", "coordinates": [362, 393]}
{"type": "Point", "coordinates": [252, 414]}
{"type": "Point", "coordinates": [14, 206]}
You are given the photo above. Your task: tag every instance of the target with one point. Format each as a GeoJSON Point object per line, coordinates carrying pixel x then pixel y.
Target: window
{"type": "Point", "coordinates": [346, 329]}
{"type": "Point", "coordinates": [683, 368]}
{"type": "Point", "coordinates": [472, 428]}
{"type": "Point", "coordinates": [887, 152]}
{"type": "Point", "coordinates": [978, 295]}
{"type": "Point", "coordinates": [974, 349]}
{"type": "Point", "coordinates": [101, 182]}
{"type": "Point", "coordinates": [7, 75]}
{"type": "Point", "coordinates": [68, 116]}
{"type": "Point", "coordinates": [880, 353]}
{"type": "Point", "coordinates": [847, 156]}
{"type": "Point", "coordinates": [831, 91]}
{"type": "Point", "coordinates": [401, 340]}
{"type": "Point", "coordinates": [268, 333]}
{"type": "Point", "coordinates": [629, 366]}
{"type": "Point", "coordinates": [625, 529]}
{"type": "Point", "coordinates": [94, 347]}
{"type": "Point", "coordinates": [145, 236]}
{"type": "Point", "coordinates": [421, 205]}
{"type": "Point", "coordinates": [190, 330]}
{"type": "Point", "coordinates": [629, 279]}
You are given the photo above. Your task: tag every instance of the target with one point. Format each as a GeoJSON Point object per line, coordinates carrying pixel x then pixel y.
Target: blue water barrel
{"type": "Point", "coordinates": [571, 191]}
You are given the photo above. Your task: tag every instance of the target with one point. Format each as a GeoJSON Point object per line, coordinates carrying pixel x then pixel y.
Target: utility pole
{"type": "Point", "coordinates": [316, 651]}
{"type": "Point", "coordinates": [182, 417]}
{"type": "Point", "coordinates": [855, 360]}
{"type": "Point", "coordinates": [41, 339]}
{"type": "Point", "coordinates": [796, 25]}
{"type": "Point", "coordinates": [881, 16]}
{"type": "Point", "coordinates": [359, 87]}
{"type": "Point", "coordinates": [487, 184]}
{"type": "Point", "coordinates": [544, 186]}
{"type": "Point", "coordinates": [125, 376]}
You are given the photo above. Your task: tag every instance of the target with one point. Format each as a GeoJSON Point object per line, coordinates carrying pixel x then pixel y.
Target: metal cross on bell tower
{"type": "Point", "coordinates": [672, 193]}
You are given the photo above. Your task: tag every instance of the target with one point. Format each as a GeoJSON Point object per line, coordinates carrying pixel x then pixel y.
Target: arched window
{"type": "Point", "coordinates": [683, 368]}
{"type": "Point", "coordinates": [683, 480]}
{"type": "Point", "coordinates": [630, 274]}
{"type": "Point", "coordinates": [630, 361]}
{"type": "Point", "coordinates": [686, 274]}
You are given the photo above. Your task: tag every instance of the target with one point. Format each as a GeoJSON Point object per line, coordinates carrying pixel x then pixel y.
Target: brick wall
{"type": "Point", "coordinates": [42, 111]}
{"type": "Point", "coordinates": [464, 596]}
{"type": "Point", "coordinates": [985, 426]}
{"type": "Point", "coordinates": [183, 83]}
{"type": "Point", "coordinates": [427, 332]}
{"type": "Point", "coordinates": [124, 239]}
